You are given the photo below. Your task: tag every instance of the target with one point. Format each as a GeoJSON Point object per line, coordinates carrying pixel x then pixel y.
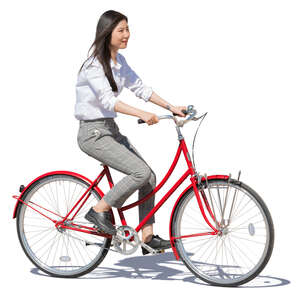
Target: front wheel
{"type": "Point", "coordinates": [59, 252]}
{"type": "Point", "coordinates": [243, 243]}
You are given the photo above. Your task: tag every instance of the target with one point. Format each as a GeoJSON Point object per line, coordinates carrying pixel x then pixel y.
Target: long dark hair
{"type": "Point", "coordinates": [106, 24]}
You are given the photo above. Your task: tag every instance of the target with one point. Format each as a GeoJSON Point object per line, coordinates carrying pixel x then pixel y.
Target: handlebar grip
{"type": "Point", "coordinates": [183, 110]}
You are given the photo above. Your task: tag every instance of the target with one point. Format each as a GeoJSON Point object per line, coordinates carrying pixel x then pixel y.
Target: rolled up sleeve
{"type": "Point", "coordinates": [100, 86]}
{"type": "Point", "coordinates": [134, 83]}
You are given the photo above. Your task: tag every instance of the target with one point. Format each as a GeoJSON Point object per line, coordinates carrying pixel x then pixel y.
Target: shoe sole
{"type": "Point", "coordinates": [103, 228]}
{"type": "Point", "coordinates": [145, 251]}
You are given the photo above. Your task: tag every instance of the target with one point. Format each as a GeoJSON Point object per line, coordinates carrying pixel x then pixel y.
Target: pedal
{"type": "Point", "coordinates": [151, 250]}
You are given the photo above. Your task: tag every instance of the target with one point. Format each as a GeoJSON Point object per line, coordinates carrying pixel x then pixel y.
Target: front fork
{"type": "Point", "coordinates": [198, 180]}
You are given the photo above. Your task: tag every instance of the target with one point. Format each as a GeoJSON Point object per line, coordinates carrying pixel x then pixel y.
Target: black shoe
{"type": "Point", "coordinates": [101, 220]}
{"type": "Point", "coordinates": [157, 243]}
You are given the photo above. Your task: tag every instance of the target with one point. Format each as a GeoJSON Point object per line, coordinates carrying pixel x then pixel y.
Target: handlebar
{"type": "Point", "coordinates": [140, 121]}
{"type": "Point", "coordinates": [191, 112]}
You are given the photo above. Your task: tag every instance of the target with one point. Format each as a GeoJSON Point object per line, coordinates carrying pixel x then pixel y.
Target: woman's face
{"type": "Point", "coordinates": [120, 36]}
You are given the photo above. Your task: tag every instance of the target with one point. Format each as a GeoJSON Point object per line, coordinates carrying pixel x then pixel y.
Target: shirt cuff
{"type": "Point", "coordinates": [115, 102]}
{"type": "Point", "coordinates": [109, 104]}
{"type": "Point", "coordinates": [147, 93]}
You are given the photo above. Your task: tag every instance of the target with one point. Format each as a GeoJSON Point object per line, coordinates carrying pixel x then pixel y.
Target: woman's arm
{"type": "Point", "coordinates": [126, 109]}
{"type": "Point", "coordinates": [135, 84]}
{"type": "Point", "coordinates": [161, 102]}
{"type": "Point", "coordinates": [148, 117]}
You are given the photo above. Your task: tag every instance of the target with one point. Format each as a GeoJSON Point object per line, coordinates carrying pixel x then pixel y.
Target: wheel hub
{"type": "Point", "coordinates": [223, 231]}
{"type": "Point", "coordinates": [60, 228]}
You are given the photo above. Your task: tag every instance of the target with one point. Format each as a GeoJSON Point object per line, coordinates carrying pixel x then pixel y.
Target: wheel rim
{"type": "Point", "coordinates": [59, 252]}
{"type": "Point", "coordinates": [239, 251]}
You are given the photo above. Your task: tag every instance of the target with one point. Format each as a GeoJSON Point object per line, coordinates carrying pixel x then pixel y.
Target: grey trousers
{"type": "Point", "coordinates": [102, 140]}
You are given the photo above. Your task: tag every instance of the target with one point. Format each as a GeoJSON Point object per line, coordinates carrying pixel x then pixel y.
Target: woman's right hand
{"type": "Point", "coordinates": [149, 118]}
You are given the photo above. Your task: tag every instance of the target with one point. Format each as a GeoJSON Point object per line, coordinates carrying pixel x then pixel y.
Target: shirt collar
{"type": "Point", "coordinates": [118, 65]}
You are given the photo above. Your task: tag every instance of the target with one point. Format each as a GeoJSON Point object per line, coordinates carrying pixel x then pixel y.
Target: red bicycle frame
{"type": "Point", "coordinates": [94, 185]}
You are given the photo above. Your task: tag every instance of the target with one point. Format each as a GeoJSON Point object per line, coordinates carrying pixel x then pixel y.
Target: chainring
{"type": "Point", "coordinates": [126, 241]}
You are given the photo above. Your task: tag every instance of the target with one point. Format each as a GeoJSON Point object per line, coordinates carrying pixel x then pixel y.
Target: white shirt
{"type": "Point", "coordinates": [94, 96]}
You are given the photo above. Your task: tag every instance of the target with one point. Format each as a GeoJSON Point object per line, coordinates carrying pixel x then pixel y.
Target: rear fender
{"type": "Point", "coordinates": [187, 190]}
{"type": "Point", "coordinates": [18, 203]}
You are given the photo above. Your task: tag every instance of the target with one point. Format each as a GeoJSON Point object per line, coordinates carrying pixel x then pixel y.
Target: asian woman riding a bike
{"type": "Point", "coordinates": [100, 80]}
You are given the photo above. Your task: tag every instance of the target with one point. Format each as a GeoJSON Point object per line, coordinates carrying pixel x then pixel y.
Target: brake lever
{"type": "Point", "coordinates": [192, 112]}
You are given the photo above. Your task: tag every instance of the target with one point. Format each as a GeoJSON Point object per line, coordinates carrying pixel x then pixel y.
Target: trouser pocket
{"type": "Point", "coordinates": [89, 134]}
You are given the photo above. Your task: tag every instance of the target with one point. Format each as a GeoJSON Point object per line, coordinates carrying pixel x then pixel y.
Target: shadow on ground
{"type": "Point", "coordinates": [162, 267]}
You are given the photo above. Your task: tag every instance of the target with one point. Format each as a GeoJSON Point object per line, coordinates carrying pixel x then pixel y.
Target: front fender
{"type": "Point", "coordinates": [98, 190]}
{"type": "Point", "coordinates": [177, 201]}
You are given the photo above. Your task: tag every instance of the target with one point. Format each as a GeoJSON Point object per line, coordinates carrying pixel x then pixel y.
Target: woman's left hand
{"type": "Point", "coordinates": [178, 110]}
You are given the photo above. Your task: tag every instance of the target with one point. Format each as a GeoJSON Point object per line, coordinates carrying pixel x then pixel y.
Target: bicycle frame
{"type": "Point", "coordinates": [65, 222]}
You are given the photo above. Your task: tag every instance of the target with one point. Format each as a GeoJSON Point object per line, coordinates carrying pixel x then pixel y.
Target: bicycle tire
{"type": "Point", "coordinates": [37, 194]}
{"type": "Point", "coordinates": [223, 268]}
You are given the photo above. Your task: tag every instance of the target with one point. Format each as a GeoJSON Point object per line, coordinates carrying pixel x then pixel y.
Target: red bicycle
{"type": "Point", "coordinates": [219, 227]}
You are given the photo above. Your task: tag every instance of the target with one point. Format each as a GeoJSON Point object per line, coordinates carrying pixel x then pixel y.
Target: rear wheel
{"type": "Point", "coordinates": [244, 242]}
{"type": "Point", "coordinates": [59, 252]}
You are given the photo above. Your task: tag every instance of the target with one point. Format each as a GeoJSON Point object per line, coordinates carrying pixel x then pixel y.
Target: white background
{"type": "Point", "coordinates": [237, 60]}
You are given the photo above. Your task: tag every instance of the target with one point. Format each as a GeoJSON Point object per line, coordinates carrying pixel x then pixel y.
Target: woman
{"type": "Point", "coordinates": [100, 80]}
